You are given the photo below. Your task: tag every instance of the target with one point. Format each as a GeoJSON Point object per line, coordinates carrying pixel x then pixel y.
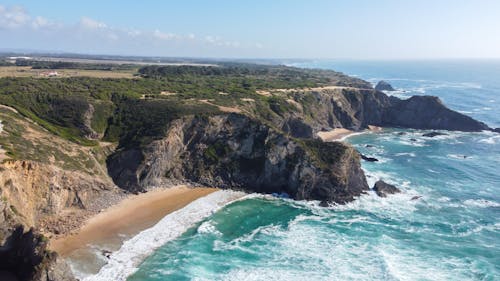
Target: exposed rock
{"type": "Point", "coordinates": [428, 112]}
{"type": "Point", "coordinates": [416, 197]}
{"type": "Point", "coordinates": [40, 193]}
{"type": "Point", "coordinates": [356, 109]}
{"type": "Point", "coordinates": [383, 189]}
{"type": "Point", "coordinates": [297, 128]}
{"type": "Point", "coordinates": [234, 151]}
{"type": "Point", "coordinates": [412, 139]}
{"type": "Point", "coordinates": [434, 134]}
{"type": "Point", "coordinates": [369, 159]}
{"type": "Point", "coordinates": [24, 256]}
{"type": "Point", "coordinates": [384, 86]}
{"type": "Point", "coordinates": [369, 146]}
{"type": "Point", "coordinates": [497, 130]}
{"type": "Point", "coordinates": [324, 203]}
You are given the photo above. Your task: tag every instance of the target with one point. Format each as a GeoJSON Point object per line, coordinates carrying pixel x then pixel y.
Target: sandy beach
{"type": "Point", "coordinates": [128, 218]}
{"type": "Point", "coordinates": [335, 134]}
{"type": "Point", "coordinates": [339, 134]}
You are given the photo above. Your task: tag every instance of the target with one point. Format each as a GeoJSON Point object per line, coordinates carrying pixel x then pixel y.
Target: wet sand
{"type": "Point", "coordinates": [128, 218]}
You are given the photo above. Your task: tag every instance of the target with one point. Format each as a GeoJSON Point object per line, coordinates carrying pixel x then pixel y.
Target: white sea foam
{"type": "Point", "coordinates": [124, 262]}
{"type": "Point", "coordinates": [208, 228]}
{"type": "Point", "coordinates": [491, 140]}
{"type": "Point", "coordinates": [373, 176]}
{"type": "Point", "coordinates": [459, 156]}
{"type": "Point", "coordinates": [411, 154]}
{"type": "Point", "coordinates": [302, 252]}
{"type": "Point", "coordinates": [481, 203]}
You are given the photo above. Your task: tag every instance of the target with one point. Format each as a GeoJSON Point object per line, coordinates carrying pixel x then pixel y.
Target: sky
{"type": "Point", "coordinates": [355, 29]}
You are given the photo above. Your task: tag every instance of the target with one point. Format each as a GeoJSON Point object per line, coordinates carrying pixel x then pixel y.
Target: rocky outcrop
{"type": "Point", "coordinates": [235, 151]}
{"type": "Point", "coordinates": [383, 189]}
{"type": "Point", "coordinates": [297, 128]}
{"type": "Point", "coordinates": [383, 86]}
{"type": "Point", "coordinates": [367, 158]}
{"type": "Point", "coordinates": [433, 134]}
{"type": "Point", "coordinates": [428, 112]}
{"type": "Point", "coordinates": [36, 194]}
{"type": "Point", "coordinates": [24, 257]}
{"type": "Point", "coordinates": [356, 109]}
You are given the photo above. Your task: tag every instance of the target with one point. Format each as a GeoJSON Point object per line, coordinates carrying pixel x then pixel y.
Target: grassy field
{"type": "Point", "coordinates": [27, 71]}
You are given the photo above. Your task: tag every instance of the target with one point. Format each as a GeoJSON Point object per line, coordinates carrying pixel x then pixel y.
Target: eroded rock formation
{"type": "Point", "coordinates": [235, 151]}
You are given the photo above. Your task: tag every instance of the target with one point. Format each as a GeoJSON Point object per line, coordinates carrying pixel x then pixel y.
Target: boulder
{"type": "Point", "coordinates": [434, 134]}
{"type": "Point", "coordinates": [383, 189]}
{"type": "Point", "coordinates": [384, 86]}
{"type": "Point", "coordinates": [369, 159]}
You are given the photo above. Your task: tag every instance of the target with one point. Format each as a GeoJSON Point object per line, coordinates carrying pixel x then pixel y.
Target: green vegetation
{"type": "Point", "coordinates": [73, 65]}
{"type": "Point", "coordinates": [216, 151]}
{"type": "Point", "coordinates": [140, 121]}
{"type": "Point", "coordinates": [5, 63]}
{"type": "Point", "coordinates": [136, 111]}
{"type": "Point", "coordinates": [324, 153]}
{"type": "Point", "coordinates": [24, 140]}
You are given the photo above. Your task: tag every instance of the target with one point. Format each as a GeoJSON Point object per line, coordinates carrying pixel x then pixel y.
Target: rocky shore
{"type": "Point", "coordinates": [54, 184]}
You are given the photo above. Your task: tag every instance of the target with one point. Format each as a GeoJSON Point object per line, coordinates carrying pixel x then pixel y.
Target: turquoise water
{"type": "Point", "coordinates": [451, 233]}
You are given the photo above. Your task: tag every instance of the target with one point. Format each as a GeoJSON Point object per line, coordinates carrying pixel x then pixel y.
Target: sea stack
{"type": "Point", "coordinates": [384, 86]}
{"type": "Point", "coordinates": [383, 189]}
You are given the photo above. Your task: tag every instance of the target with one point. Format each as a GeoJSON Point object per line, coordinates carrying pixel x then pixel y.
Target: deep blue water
{"type": "Point", "coordinates": [451, 233]}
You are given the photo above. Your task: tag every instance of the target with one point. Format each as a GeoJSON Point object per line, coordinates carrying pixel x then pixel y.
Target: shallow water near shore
{"type": "Point", "coordinates": [452, 232]}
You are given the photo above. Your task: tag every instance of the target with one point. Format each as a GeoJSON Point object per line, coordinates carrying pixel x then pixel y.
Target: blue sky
{"type": "Point", "coordinates": [356, 29]}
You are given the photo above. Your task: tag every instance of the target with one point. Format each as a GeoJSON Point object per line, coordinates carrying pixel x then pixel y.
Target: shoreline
{"type": "Point", "coordinates": [340, 134]}
{"type": "Point", "coordinates": [123, 262]}
{"type": "Point", "coordinates": [127, 218]}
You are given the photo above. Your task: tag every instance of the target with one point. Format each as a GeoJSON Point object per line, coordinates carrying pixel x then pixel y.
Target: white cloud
{"type": "Point", "coordinates": [163, 36]}
{"type": "Point", "coordinates": [134, 33]}
{"type": "Point", "coordinates": [44, 23]}
{"type": "Point", "coordinates": [88, 34]}
{"type": "Point", "coordinates": [89, 23]}
{"type": "Point", "coordinates": [13, 17]}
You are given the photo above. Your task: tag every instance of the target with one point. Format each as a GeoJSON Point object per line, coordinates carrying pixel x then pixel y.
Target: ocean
{"type": "Point", "coordinates": [452, 232]}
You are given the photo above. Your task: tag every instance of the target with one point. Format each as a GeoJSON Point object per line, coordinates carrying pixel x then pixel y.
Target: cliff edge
{"type": "Point", "coordinates": [235, 151]}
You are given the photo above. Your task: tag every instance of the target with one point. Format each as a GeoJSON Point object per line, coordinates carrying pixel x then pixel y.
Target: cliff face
{"type": "Point", "coordinates": [355, 109]}
{"type": "Point", "coordinates": [428, 112]}
{"type": "Point", "coordinates": [53, 184]}
{"type": "Point", "coordinates": [234, 151]}
{"type": "Point", "coordinates": [24, 257]}
{"type": "Point", "coordinates": [42, 195]}
{"type": "Point", "coordinates": [50, 186]}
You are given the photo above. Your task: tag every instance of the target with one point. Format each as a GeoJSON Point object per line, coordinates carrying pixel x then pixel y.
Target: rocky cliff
{"type": "Point", "coordinates": [384, 86]}
{"type": "Point", "coordinates": [49, 186]}
{"type": "Point", "coordinates": [24, 257]}
{"type": "Point", "coordinates": [55, 176]}
{"type": "Point", "coordinates": [356, 109]}
{"type": "Point", "coordinates": [235, 151]}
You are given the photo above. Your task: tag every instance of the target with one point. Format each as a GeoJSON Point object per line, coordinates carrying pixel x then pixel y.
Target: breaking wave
{"type": "Point", "coordinates": [125, 261]}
